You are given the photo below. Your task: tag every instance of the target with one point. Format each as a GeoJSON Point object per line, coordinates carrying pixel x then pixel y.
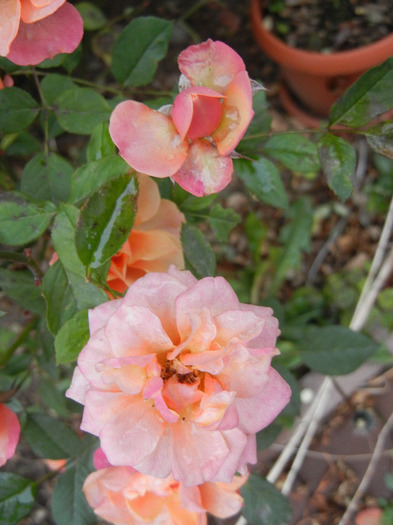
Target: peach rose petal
{"type": "Point", "coordinates": [222, 499]}
{"type": "Point", "coordinates": [9, 433]}
{"type": "Point", "coordinates": [147, 139]}
{"type": "Point", "coordinates": [32, 10]}
{"type": "Point", "coordinates": [211, 64]}
{"type": "Point", "coordinates": [205, 171]}
{"type": "Point", "coordinates": [237, 114]}
{"type": "Point", "coordinates": [60, 32]}
{"type": "Point", "coordinates": [148, 201]}
{"type": "Point", "coordinates": [197, 112]}
{"type": "Point", "coordinates": [9, 24]}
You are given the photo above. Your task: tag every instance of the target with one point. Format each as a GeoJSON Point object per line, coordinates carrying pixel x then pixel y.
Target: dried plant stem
{"type": "Point", "coordinates": [371, 467]}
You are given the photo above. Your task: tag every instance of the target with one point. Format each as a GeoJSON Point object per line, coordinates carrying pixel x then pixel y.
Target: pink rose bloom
{"type": "Point", "coordinates": [154, 242]}
{"type": "Point", "coordinates": [208, 118]}
{"type": "Point", "coordinates": [123, 496]}
{"type": "Point", "coordinates": [9, 433]}
{"type": "Point", "coordinates": [176, 378]}
{"type": "Point", "coordinates": [34, 30]}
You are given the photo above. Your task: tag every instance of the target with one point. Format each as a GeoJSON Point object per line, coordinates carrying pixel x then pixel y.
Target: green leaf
{"type": "Point", "coordinates": [69, 505]}
{"type": "Point", "coordinates": [263, 503]}
{"type": "Point", "coordinates": [49, 437]}
{"type": "Point", "coordinates": [380, 138]}
{"type": "Point", "coordinates": [338, 161]}
{"type": "Point", "coordinates": [21, 288]}
{"type": "Point", "coordinates": [105, 220]}
{"type": "Point", "coordinates": [89, 177]}
{"type": "Point", "coordinates": [263, 179]}
{"type": "Point", "coordinates": [260, 124]}
{"type": "Point", "coordinates": [79, 110]}
{"type": "Point", "coordinates": [63, 237]}
{"type": "Point", "coordinates": [335, 350]}
{"type": "Point", "coordinates": [47, 177]}
{"type": "Point", "coordinates": [93, 17]}
{"type": "Point", "coordinates": [139, 48]}
{"type": "Point", "coordinates": [23, 144]}
{"type": "Point", "coordinates": [66, 293]}
{"type": "Point", "coordinates": [17, 498]}
{"type": "Point", "coordinates": [21, 219]}
{"type": "Point", "coordinates": [222, 221]}
{"type": "Point", "coordinates": [295, 237]}
{"type": "Point", "coordinates": [71, 338]}
{"type": "Point", "coordinates": [294, 151]}
{"type": "Point", "coordinates": [54, 84]}
{"type": "Point", "coordinates": [197, 251]}
{"type": "Point", "coordinates": [370, 96]}
{"type": "Point", "coordinates": [18, 109]}
{"type": "Point", "coordinates": [100, 144]}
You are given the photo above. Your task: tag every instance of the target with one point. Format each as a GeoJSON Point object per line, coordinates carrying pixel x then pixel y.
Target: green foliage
{"type": "Point", "coordinates": [93, 17]}
{"type": "Point", "coordinates": [338, 160]}
{"type": "Point", "coordinates": [222, 221]}
{"type": "Point", "coordinates": [17, 498]}
{"type": "Point", "coordinates": [380, 138]}
{"type": "Point", "coordinates": [139, 48]}
{"type": "Point", "coordinates": [366, 99]}
{"type": "Point", "coordinates": [18, 109]}
{"type": "Point", "coordinates": [294, 151]}
{"type": "Point", "coordinates": [263, 503]}
{"type": "Point", "coordinates": [263, 180]}
{"type": "Point", "coordinates": [72, 337]}
{"type": "Point", "coordinates": [104, 224]}
{"type": "Point", "coordinates": [197, 251]}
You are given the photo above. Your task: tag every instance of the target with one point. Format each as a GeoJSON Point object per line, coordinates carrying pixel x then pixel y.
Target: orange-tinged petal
{"type": "Point", "coordinates": [9, 24]}
{"type": "Point", "coordinates": [197, 112]}
{"type": "Point", "coordinates": [237, 113]}
{"type": "Point", "coordinates": [211, 64]}
{"type": "Point", "coordinates": [61, 32]}
{"type": "Point", "coordinates": [205, 171]}
{"type": "Point", "coordinates": [222, 499]}
{"type": "Point", "coordinates": [147, 139]}
{"type": "Point", "coordinates": [33, 10]}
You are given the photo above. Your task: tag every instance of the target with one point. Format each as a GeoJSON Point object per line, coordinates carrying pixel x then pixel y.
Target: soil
{"type": "Point", "coordinates": [328, 25]}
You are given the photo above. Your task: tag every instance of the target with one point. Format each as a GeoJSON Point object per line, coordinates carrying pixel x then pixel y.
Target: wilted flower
{"type": "Point", "coordinates": [124, 496]}
{"type": "Point", "coordinates": [154, 242]}
{"type": "Point", "coordinates": [9, 433]}
{"type": "Point", "coordinates": [34, 30]}
{"type": "Point", "coordinates": [209, 117]}
{"type": "Point", "coordinates": [176, 377]}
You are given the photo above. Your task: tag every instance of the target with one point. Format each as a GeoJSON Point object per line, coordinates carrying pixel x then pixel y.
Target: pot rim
{"type": "Point", "coordinates": [312, 62]}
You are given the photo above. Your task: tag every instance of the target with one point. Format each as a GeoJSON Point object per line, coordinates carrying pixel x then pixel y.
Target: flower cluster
{"type": "Point", "coordinates": [124, 496]}
{"type": "Point", "coordinates": [191, 141]}
{"type": "Point", "coordinates": [154, 241]}
{"type": "Point", "coordinates": [34, 30]}
{"type": "Point", "coordinates": [176, 378]}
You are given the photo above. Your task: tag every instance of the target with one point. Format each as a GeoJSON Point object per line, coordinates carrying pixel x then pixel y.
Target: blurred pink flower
{"type": "Point", "coordinates": [124, 496]}
{"type": "Point", "coordinates": [176, 377]}
{"type": "Point", "coordinates": [208, 118]}
{"type": "Point", "coordinates": [34, 30]}
{"type": "Point", "coordinates": [154, 242]}
{"type": "Point", "coordinates": [9, 433]}
{"type": "Point", "coordinates": [6, 82]}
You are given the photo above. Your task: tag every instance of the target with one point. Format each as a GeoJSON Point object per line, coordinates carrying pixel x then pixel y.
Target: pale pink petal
{"type": "Point", "coordinates": [33, 10]}
{"type": "Point", "coordinates": [60, 32]}
{"type": "Point", "coordinates": [212, 409]}
{"type": "Point", "coordinates": [257, 412]}
{"type": "Point", "coordinates": [211, 64]}
{"type": "Point", "coordinates": [98, 316]}
{"type": "Point", "coordinates": [204, 171]}
{"type": "Point", "coordinates": [159, 462]}
{"type": "Point", "coordinates": [235, 324]}
{"type": "Point", "coordinates": [79, 387]}
{"type": "Point", "coordinates": [147, 139]}
{"type": "Point", "coordinates": [236, 442]}
{"type": "Point", "coordinates": [190, 498]}
{"type": "Point", "coordinates": [136, 330]}
{"type": "Point", "coordinates": [181, 395]}
{"type": "Point", "coordinates": [237, 113]}
{"type": "Point", "coordinates": [197, 453]}
{"type": "Point", "coordinates": [197, 112]}
{"type": "Point", "coordinates": [9, 24]}
{"type": "Point", "coordinates": [100, 460]}
{"type": "Point", "coordinates": [153, 390]}
{"type": "Point", "coordinates": [223, 499]}
{"type": "Point", "coordinates": [9, 433]}
{"type": "Point", "coordinates": [197, 334]}
{"type": "Point", "coordinates": [184, 276]}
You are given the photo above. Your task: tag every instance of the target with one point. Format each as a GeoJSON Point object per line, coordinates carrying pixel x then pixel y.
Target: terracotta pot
{"type": "Point", "coordinates": [317, 79]}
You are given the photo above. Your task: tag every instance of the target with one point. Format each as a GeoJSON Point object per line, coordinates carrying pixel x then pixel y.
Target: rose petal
{"type": "Point", "coordinates": [222, 499]}
{"type": "Point", "coordinates": [33, 10]}
{"type": "Point", "coordinates": [9, 23]}
{"type": "Point", "coordinates": [204, 171]}
{"type": "Point", "coordinates": [197, 112]}
{"type": "Point", "coordinates": [237, 113]}
{"type": "Point", "coordinates": [60, 32]}
{"type": "Point", "coordinates": [147, 139]}
{"type": "Point", "coordinates": [9, 433]}
{"type": "Point", "coordinates": [211, 64]}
